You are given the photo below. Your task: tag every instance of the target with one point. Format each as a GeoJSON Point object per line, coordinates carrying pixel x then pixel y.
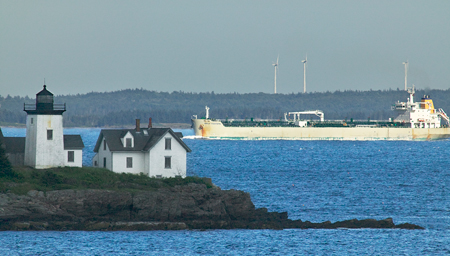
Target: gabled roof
{"type": "Point", "coordinates": [73, 142]}
{"type": "Point", "coordinates": [142, 141]}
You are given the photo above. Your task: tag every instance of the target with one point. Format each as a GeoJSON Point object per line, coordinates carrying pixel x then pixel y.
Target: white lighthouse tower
{"type": "Point", "coordinates": [44, 144]}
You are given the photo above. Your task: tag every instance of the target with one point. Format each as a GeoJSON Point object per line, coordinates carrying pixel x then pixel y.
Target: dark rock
{"type": "Point", "coordinates": [193, 206]}
{"type": "Point", "coordinates": [408, 226]}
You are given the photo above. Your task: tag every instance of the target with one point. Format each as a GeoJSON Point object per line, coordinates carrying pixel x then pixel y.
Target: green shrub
{"type": "Point", "coordinates": [49, 179]}
{"type": "Point", "coordinates": [35, 174]}
{"type": "Point", "coordinates": [6, 170]}
{"type": "Point", "coordinates": [178, 181]}
{"type": "Point", "coordinates": [89, 178]}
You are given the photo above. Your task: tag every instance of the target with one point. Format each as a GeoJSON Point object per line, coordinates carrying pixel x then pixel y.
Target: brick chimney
{"type": "Point", "coordinates": [138, 125]}
{"type": "Point", "coordinates": [150, 122]}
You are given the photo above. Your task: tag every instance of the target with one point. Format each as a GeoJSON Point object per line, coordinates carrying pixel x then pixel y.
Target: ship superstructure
{"type": "Point", "coordinates": [420, 114]}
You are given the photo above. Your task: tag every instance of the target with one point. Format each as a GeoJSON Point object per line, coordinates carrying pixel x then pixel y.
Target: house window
{"type": "Point", "coordinates": [32, 120]}
{"type": "Point", "coordinates": [128, 143]}
{"type": "Point", "coordinates": [71, 156]}
{"type": "Point", "coordinates": [104, 145]}
{"type": "Point", "coordinates": [95, 163]}
{"type": "Point", "coordinates": [168, 144]}
{"type": "Point", "coordinates": [104, 162]}
{"type": "Point", "coordinates": [167, 162]}
{"type": "Point", "coordinates": [129, 162]}
{"type": "Point", "coordinates": [49, 134]}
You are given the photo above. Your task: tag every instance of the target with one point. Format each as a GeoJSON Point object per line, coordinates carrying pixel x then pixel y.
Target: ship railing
{"type": "Point", "coordinates": [258, 123]}
{"type": "Point", "coordinates": [250, 120]}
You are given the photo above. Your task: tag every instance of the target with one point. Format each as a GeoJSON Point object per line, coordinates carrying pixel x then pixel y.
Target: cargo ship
{"type": "Point", "coordinates": [415, 121]}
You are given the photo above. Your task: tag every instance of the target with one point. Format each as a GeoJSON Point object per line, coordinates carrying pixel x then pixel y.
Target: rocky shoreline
{"type": "Point", "coordinates": [192, 206]}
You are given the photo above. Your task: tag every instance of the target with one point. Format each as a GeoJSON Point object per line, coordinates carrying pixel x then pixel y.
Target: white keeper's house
{"type": "Point", "coordinates": [156, 152]}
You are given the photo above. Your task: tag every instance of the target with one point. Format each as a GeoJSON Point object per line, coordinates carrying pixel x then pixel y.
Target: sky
{"type": "Point", "coordinates": [222, 46]}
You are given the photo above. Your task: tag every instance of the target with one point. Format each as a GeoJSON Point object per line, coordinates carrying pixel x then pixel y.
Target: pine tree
{"type": "Point", "coordinates": [5, 166]}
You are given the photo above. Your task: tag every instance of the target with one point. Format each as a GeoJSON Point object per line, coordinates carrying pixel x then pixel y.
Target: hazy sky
{"type": "Point", "coordinates": [222, 46]}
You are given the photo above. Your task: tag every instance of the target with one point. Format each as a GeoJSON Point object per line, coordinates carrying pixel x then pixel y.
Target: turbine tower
{"type": "Point", "coordinates": [275, 80]}
{"type": "Point", "coordinates": [304, 73]}
{"type": "Point", "coordinates": [406, 74]}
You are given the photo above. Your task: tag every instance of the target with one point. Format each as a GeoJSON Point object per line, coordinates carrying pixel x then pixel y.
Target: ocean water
{"type": "Point", "coordinates": [311, 180]}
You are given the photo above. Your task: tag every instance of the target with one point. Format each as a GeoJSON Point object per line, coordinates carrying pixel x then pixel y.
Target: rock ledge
{"type": "Point", "coordinates": [192, 206]}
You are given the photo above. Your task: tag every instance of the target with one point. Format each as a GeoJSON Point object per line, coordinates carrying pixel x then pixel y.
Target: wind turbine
{"type": "Point", "coordinates": [275, 80]}
{"type": "Point", "coordinates": [406, 74]}
{"type": "Point", "coordinates": [304, 73]}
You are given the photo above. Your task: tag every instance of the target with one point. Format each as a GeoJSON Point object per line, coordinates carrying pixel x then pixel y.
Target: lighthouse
{"type": "Point", "coordinates": [44, 144]}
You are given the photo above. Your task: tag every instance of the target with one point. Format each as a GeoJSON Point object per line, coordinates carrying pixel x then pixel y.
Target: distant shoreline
{"type": "Point", "coordinates": [156, 125]}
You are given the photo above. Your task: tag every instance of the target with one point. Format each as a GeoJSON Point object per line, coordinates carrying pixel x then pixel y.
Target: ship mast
{"type": "Point", "coordinates": [207, 112]}
{"type": "Point", "coordinates": [411, 92]}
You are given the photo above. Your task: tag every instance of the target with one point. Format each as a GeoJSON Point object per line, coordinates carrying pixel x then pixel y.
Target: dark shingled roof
{"type": "Point", "coordinates": [142, 142]}
{"type": "Point", "coordinates": [14, 144]}
{"type": "Point", "coordinates": [73, 142]}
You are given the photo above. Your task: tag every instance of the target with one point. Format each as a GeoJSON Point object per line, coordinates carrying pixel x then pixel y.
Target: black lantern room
{"type": "Point", "coordinates": [44, 105]}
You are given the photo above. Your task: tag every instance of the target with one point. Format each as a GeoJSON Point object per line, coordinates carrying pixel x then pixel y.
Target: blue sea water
{"type": "Point", "coordinates": [311, 180]}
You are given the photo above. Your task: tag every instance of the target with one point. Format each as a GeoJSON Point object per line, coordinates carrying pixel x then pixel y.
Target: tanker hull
{"type": "Point", "coordinates": [213, 129]}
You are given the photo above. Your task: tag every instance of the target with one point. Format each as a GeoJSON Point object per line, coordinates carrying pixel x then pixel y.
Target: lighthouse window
{"type": "Point", "coordinates": [49, 134]}
{"type": "Point", "coordinates": [71, 156]}
{"type": "Point", "coordinates": [31, 120]}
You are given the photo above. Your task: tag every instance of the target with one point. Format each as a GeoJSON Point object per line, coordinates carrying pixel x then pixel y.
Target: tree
{"type": "Point", "coordinates": [5, 166]}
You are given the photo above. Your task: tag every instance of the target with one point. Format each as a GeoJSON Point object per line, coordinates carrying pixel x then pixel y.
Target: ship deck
{"type": "Point", "coordinates": [268, 123]}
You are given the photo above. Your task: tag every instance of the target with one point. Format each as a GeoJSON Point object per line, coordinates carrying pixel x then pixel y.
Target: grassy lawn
{"type": "Point", "coordinates": [60, 178]}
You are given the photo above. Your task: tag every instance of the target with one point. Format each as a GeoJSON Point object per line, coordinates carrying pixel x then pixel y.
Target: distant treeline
{"type": "Point", "coordinates": [121, 108]}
